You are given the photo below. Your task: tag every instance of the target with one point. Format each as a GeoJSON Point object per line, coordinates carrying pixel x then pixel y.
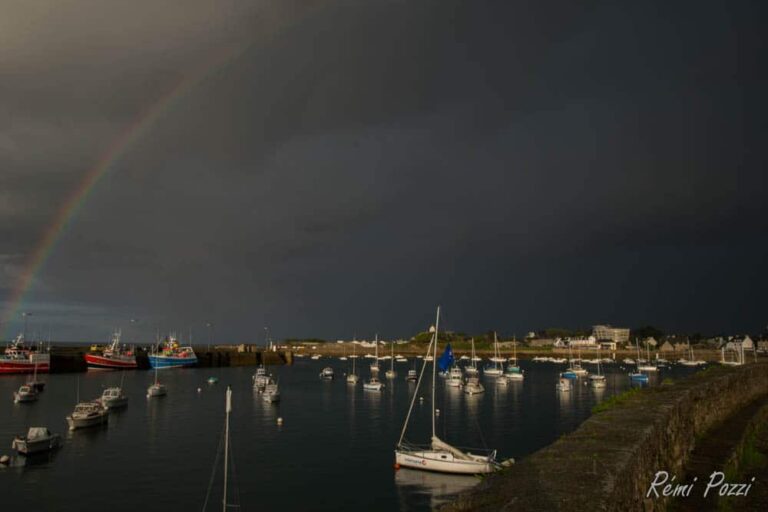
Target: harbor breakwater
{"type": "Point", "coordinates": [67, 359]}
{"type": "Point", "coordinates": [610, 462]}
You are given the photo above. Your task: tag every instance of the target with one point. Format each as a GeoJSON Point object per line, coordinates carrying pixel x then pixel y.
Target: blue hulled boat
{"type": "Point", "coordinates": [172, 355]}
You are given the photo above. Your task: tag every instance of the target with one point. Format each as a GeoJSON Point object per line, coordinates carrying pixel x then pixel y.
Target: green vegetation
{"type": "Point", "coordinates": [647, 331]}
{"type": "Point", "coordinates": [615, 400]}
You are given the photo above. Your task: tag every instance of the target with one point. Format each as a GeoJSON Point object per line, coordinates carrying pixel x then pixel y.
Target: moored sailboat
{"type": "Point", "coordinates": [352, 377]}
{"type": "Point", "coordinates": [439, 455]}
{"type": "Point", "coordinates": [391, 373]}
{"type": "Point", "coordinates": [497, 369]}
{"type": "Point", "coordinates": [156, 388]}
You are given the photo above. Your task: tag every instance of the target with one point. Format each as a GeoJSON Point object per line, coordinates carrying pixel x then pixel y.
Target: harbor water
{"type": "Point", "coordinates": [334, 450]}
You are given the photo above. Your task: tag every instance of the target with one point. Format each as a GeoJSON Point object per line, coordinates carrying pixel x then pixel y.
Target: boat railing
{"type": "Point", "coordinates": [408, 446]}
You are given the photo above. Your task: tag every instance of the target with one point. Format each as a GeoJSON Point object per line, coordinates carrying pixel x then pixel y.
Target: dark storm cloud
{"type": "Point", "coordinates": [357, 163]}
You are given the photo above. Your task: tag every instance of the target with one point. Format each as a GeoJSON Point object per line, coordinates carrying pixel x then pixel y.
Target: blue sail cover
{"type": "Point", "coordinates": [446, 360]}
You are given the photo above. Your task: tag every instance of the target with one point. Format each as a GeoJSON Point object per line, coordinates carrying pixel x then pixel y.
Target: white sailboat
{"type": "Point", "coordinates": [647, 366]}
{"type": "Point", "coordinates": [513, 371]}
{"type": "Point", "coordinates": [597, 381]}
{"type": "Point", "coordinates": [472, 368]}
{"type": "Point", "coordinates": [352, 378]}
{"type": "Point", "coordinates": [156, 389]}
{"type": "Point", "coordinates": [374, 384]}
{"type": "Point", "coordinates": [497, 370]}
{"type": "Point", "coordinates": [391, 373]}
{"type": "Point", "coordinates": [375, 364]}
{"type": "Point", "coordinates": [439, 455]}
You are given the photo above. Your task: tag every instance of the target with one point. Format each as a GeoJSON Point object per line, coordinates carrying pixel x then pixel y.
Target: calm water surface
{"type": "Point", "coordinates": [334, 450]}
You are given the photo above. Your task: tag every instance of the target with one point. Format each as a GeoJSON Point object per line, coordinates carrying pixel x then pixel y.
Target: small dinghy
{"type": "Point", "coordinates": [327, 373]}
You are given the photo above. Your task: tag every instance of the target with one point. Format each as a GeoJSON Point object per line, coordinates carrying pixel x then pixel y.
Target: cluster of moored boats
{"type": "Point", "coordinates": [460, 373]}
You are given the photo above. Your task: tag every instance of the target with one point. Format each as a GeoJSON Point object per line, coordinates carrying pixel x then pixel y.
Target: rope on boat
{"type": "Point", "coordinates": [415, 393]}
{"type": "Point", "coordinates": [213, 472]}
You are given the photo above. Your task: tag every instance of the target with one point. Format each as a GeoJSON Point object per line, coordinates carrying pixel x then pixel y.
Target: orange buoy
{"type": "Point", "coordinates": [397, 466]}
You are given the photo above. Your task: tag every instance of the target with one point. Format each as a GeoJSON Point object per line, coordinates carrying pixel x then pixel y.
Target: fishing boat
{"type": "Point", "coordinates": [113, 357]}
{"type": "Point", "coordinates": [439, 455]}
{"type": "Point", "coordinates": [19, 357]}
{"type": "Point", "coordinates": [271, 391]}
{"type": "Point", "coordinates": [391, 373]}
{"type": "Point", "coordinates": [88, 414]}
{"type": "Point", "coordinates": [156, 388]}
{"type": "Point", "coordinates": [327, 373]}
{"type": "Point", "coordinates": [37, 440]}
{"type": "Point", "coordinates": [497, 370]}
{"type": "Point", "coordinates": [172, 355]}
{"type": "Point", "coordinates": [25, 394]}
{"type": "Point", "coordinates": [113, 398]}
{"type": "Point", "coordinates": [260, 378]}
{"type": "Point", "coordinates": [513, 371]}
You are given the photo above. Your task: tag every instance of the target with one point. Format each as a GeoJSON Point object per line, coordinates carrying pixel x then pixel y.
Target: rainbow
{"type": "Point", "coordinates": [140, 125]}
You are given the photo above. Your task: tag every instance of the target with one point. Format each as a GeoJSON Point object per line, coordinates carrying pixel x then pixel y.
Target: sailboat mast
{"type": "Point", "coordinates": [434, 370]}
{"type": "Point", "coordinates": [226, 445]}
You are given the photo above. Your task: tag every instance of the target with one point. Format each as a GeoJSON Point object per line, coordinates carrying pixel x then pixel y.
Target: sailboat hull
{"type": "Point", "coordinates": [443, 462]}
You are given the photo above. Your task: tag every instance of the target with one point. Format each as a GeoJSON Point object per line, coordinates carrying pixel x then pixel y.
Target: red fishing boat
{"type": "Point", "coordinates": [114, 357]}
{"type": "Point", "coordinates": [22, 358]}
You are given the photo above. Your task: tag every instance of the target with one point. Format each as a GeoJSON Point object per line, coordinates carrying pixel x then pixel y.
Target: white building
{"type": "Point", "coordinates": [607, 332]}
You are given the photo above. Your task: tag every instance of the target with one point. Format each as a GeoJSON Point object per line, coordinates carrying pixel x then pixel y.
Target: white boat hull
{"type": "Point", "coordinates": [443, 462]}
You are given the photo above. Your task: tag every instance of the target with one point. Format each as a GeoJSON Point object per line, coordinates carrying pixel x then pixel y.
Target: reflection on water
{"type": "Point", "coordinates": [325, 420]}
{"type": "Point", "coordinates": [418, 488]}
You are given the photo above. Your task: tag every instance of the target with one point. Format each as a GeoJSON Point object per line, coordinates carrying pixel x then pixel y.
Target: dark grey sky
{"type": "Point", "coordinates": [524, 164]}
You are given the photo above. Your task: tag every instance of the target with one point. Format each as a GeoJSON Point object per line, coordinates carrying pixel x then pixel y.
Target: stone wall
{"type": "Point", "coordinates": [609, 462]}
